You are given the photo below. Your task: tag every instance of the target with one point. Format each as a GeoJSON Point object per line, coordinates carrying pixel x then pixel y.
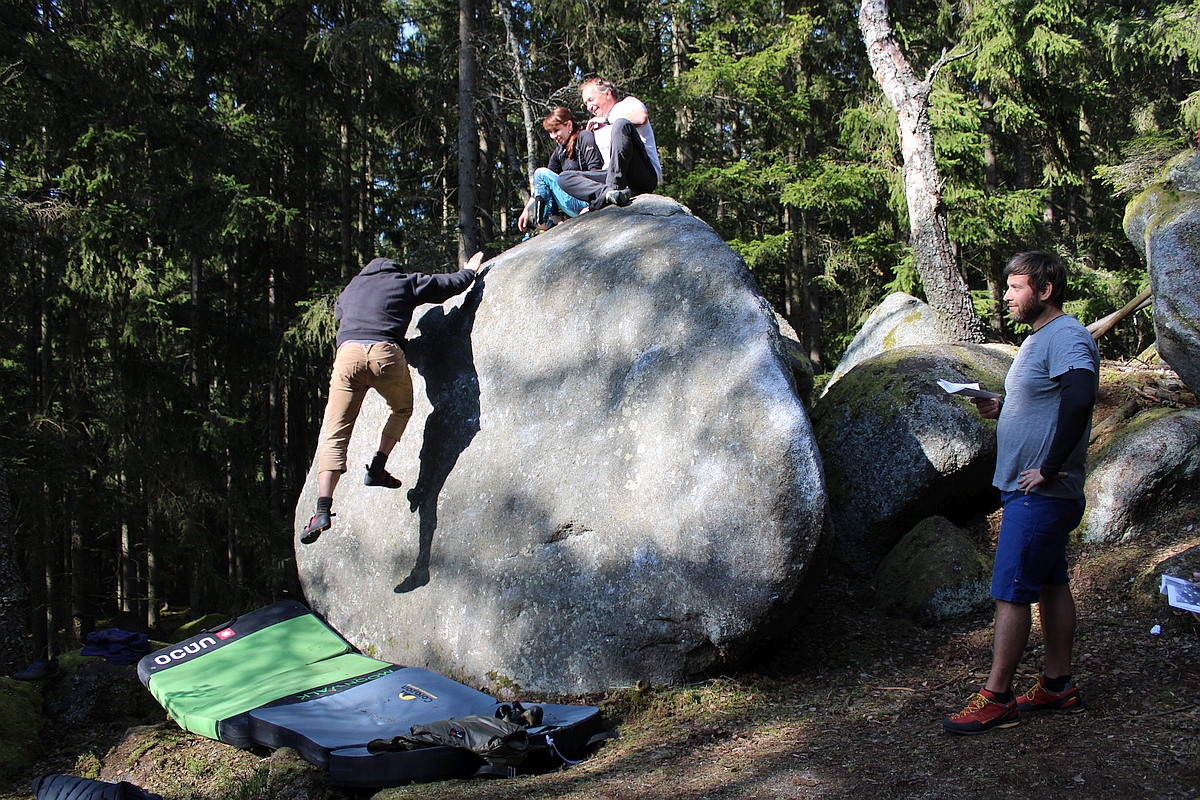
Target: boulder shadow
{"type": "Point", "coordinates": [444, 357]}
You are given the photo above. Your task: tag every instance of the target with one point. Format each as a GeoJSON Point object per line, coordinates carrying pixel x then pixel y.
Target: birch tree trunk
{"type": "Point", "coordinates": [945, 287]}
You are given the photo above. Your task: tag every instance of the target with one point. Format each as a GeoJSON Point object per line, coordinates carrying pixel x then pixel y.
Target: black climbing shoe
{"type": "Point", "coordinates": [617, 197]}
{"type": "Point", "coordinates": [539, 213]}
{"type": "Point", "coordinates": [520, 715]}
{"type": "Point", "coordinates": [381, 478]}
{"type": "Point", "coordinates": [320, 522]}
{"type": "Point", "coordinates": [394, 745]}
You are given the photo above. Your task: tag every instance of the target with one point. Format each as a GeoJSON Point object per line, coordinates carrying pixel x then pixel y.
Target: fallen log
{"type": "Point", "coordinates": [1106, 324]}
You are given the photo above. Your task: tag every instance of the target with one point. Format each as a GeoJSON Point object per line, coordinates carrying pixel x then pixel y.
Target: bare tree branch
{"type": "Point", "coordinates": [946, 59]}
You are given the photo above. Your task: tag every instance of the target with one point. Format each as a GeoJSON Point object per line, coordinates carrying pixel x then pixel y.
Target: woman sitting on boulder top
{"type": "Point", "coordinates": [576, 150]}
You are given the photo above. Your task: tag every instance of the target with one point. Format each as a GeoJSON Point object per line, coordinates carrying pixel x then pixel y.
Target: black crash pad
{"type": "Point", "coordinates": [280, 677]}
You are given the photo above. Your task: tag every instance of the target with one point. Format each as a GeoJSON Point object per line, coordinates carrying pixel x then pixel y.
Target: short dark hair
{"type": "Point", "coordinates": [1042, 268]}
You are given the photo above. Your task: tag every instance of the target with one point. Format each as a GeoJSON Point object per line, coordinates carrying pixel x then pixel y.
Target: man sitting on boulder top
{"type": "Point", "coordinates": [373, 313]}
{"type": "Point", "coordinates": [626, 142]}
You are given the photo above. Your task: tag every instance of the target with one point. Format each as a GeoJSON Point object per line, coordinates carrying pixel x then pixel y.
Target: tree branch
{"type": "Point", "coordinates": [946, 59]}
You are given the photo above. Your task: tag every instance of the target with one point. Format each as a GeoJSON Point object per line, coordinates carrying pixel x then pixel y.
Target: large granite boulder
{"type": "Point", "coordinates": [1163, 222]}
{"type": "Point", "coordinates": [901, 320]}
{"type": "Point", "coordinates": [1151, 465]}
{"type": "Point", "coordinates": [612, 477]}
{"type": "Point", "coordinates": [898, 449]}
{"type": "Point", "coordinates": [936, 572]}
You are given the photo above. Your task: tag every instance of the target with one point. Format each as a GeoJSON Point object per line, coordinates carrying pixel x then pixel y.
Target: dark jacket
{"type": "Point", "coordinates": [378, 303]}
{"type": "Point", "coordinates": [587, 155]}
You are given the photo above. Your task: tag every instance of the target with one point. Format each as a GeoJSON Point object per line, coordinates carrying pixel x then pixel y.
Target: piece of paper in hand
{"type": "Point", "coordinates": [965, 389]}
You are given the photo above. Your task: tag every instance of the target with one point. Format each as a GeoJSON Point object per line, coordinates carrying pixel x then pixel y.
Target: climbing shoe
{"type": "Point", "coordinates": [381, 477]}
{"type": "Point", "coordinates": [982, 714]}
{"type": "Point", "coordinates": [320, 522]}
{"type": "Point", "coordinates": [520, 715]}
{"type": "Point", "coordinates": [1039, 698]}
{"type": "Point", "coordinates": [617, 197]}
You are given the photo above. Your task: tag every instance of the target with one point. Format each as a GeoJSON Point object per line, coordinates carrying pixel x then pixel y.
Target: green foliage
{"type": "Point", "coordinates": [1142, 160]}
{"type": "Point", "coordinates": [314, 328]}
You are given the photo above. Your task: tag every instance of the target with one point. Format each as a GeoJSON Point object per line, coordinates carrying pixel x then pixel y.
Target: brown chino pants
{"type": "Point", "coordinates": [358, 367]}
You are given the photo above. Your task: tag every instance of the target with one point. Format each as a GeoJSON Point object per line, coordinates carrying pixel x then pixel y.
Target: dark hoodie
{"type": "Point", "coordinates": [587, 155]}
{"type": "Point", "coordinates": [378, 304]}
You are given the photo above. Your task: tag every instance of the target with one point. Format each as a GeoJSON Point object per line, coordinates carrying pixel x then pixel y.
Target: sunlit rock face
{"type": "Point", "coordinates": [901, 320]}
{"type": "Point", "coordinates": [608, 476]}
{"type": "Point", "coordinates": [1144, 473]}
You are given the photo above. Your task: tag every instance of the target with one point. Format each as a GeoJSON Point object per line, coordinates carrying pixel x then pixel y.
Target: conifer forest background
{"type": "Point", "coordinates": [185, 185]}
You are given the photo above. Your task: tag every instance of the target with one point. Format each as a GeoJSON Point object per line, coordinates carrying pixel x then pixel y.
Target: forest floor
{"type": "Point", "coordinates": [847, 704]}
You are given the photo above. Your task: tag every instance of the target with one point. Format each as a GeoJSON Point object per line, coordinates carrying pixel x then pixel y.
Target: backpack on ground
{"type": "Point", "coordinates": [501, 743]}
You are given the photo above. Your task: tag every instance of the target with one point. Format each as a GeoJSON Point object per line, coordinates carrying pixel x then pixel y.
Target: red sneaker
{"type": "Point", "coordinates": [1039, 698]}
{"type": "Point", "coordinates": [982, 714]}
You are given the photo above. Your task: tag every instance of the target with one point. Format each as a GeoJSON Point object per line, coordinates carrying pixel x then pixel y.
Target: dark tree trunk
{"type": "Point", "coordinates": [14, 601]}
{"type": "Point", "coordinates": [349, 262]}
{"type": "Point", "coordinates": [995, 275]}
{"type": "Point", "coordinates": [680, 64]}
{"type": "Point", "coordinates": [527, 116]}
{"type": "Point", "coordinates": [468, 134]}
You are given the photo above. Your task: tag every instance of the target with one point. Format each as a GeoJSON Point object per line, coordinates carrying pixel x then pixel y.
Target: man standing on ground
{"type": "Point", "coordinates": [1042, 432]}
{"type": "Point", "coordinates": [373, 313]}
{"type": "Point", "coordinates": [626, 143]}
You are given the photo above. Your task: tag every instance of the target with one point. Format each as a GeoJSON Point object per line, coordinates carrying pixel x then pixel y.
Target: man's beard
{"type": "Point", "coordinates": [1027, 312]}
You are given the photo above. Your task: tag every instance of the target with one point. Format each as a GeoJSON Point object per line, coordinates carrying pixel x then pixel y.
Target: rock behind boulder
{"type": "Point", "coordinates": [1151, 466]}
{"type": "Point", "coordinates": [901, 320]}
{"type": "Point", "coordinates": [934, 573]}
{"type": "Point", "coordinates": [1164, 224]}
{"type": "Point", "coordinates": [612, 477]}
{"type": "Point", "coordinates": [898, 449]}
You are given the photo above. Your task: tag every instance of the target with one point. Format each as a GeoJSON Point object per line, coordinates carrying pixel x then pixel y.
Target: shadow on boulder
{"type": "Point", "coordinates": [443, 356]}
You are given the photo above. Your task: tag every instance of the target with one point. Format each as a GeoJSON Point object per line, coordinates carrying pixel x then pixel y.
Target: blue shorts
{"type": "Point", "coordinates": [1032, 550]}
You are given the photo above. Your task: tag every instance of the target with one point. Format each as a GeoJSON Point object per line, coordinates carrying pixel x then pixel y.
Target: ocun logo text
{"type": "Point", "coordinates": [182, 653]}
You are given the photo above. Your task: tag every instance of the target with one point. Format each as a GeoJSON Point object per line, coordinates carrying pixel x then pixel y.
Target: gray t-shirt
{"type": "Point", "coordinates": [1029, 415]}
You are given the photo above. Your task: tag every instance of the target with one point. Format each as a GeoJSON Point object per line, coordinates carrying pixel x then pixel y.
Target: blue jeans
{"type": "Point", "coordinates": [545, 186]}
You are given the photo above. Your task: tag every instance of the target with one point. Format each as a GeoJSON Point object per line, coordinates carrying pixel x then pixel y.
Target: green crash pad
{"type": "Point", "coordinates": [245, 666]}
